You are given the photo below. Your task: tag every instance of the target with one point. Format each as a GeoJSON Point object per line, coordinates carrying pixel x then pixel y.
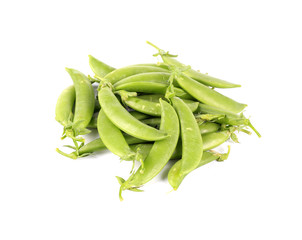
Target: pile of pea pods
{"type": "Point", "coordinates": [150, 114]}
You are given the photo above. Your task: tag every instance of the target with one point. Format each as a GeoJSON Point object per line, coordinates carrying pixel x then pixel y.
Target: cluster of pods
{"type": "Point", "coordinates": [150, 113]}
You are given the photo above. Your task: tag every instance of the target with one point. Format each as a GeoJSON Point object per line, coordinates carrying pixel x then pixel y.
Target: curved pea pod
{"type": "Point", "coordinates": [191, 139]}
{"type": "Point", "coordinates": [152, 108]}
{"type": "Point", "coordinates": [99, 68]}
{"type": "Point", "coordinates": [64, 106]}
{"type": "Point", "coordinates": [158, 64]}
{"type": "Point", "coordinates": [113, 138]}
{"type": "Point", "coordinates": [207, 95]}
{"type": "Point", "coordinates": [154, 122]}
{"type": "Point", "coordinates": [175, 180]}
{"type": "Point", "coordinates": [121, 73]}
{"type": "Point", "coordinates": [160, 152]}
{"type": "Point", "coordinates": [84, 103]}
{"type": "Point", "coordinates": [200, 77]}
{"type": "Point", "coordinates": [121, 118]}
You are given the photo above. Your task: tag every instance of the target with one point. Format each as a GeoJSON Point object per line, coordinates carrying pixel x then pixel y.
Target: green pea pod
{"type": "Point", "coordinates": [192, 144]}
{"type": "Point", "coordinates": [97, 145]}
{"type": "Point", "coordinates": [121, 73]}
{"type": "Point", "coordinates": [64, 106]}
{"type": "Point", "coordinates": [121, 118]}
{"type": "Point", "coordinates": [160, 152]}
{"type": "Point", "coordinates": [159, 64]}
{"type": "Point", "coordinates": [113, 138]}
{"type": "Point", "coordinates": [84, 104]}
{"type": "Point", "coordinates": [207, 95]}
{"type": "Point", "coordinates": [196, 75]}
{"type": "Point", "coordinates": [99, 68]}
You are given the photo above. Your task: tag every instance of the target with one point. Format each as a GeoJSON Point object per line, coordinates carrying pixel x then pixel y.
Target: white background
{"type": "Point", "coordinates": [255, 194]}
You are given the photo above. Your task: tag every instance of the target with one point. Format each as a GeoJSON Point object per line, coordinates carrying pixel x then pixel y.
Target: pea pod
{"type": "Point", "coordinates": [64, 106]}
{"type": "Point", "coordinates": [208, 127]}
{"type": "Point", "coordinates": [121, 118]}
{"type": "Point", "coordinates": [207, 95]}
{"type": "Point", "coordinates": [196, 75]}
{"type": "Point", "coordinates": [99, 68]}
{"type": "Point", "coordinates": [160, 152]}
{"type": "Point", "coordinates": [121, 73]}
{"type": "Point", "coordinates": [84, 104]}
{"type": "Point", "coordinates": [113, 138]}
{"type": "Point", "coordinates": [191, 139]}
{"type": "Point", "coordinates": [97, 145]}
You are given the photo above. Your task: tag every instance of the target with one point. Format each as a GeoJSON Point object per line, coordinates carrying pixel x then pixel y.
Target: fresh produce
{"type": "Point", "coordinates": [150, 113]}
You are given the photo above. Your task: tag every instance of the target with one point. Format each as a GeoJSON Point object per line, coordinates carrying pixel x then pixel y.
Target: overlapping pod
{"type": "Point", "coordinates": [160, 152]}
{"type": "Point", "coordinates": [121, 118]}
{"type": "Point", "coordinates": [192, 145]}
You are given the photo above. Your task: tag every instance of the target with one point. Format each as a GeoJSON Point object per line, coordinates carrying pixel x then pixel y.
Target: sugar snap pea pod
{"type": "Point", "coordinates": [99, 68]}
{"type": "Point", "coordinates": [160, 152]}
{"type": "Point", "coordinates": [175, 180]}
{"type": "Point", "coordinates": [198, 76]}
{"type": "Point", "coordinates": [121, 73]}
{"type": "Point", "coordinates": [152, 108]}
{"type": "Point", "coordinates": [192, 143]}
{"type": "Point", "coordinates": [121, 118]}
{"type": "Point", "coordinates": [113, 138]}
{"type": "Point", "coordinates": [207, 95]}
{"type": "Point", "coordinates": [64, 106]}
{"type": "Point", "coordinates": [159, 77]}
{"type": "Point", "coordinates": [84, 104]}
{"type": "Point", "coordinates": [97, 145]}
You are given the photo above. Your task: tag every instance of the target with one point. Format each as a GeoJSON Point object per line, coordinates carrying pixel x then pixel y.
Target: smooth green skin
{"type": "Point", "coordinates": [200, 77]}
{"type": "Point", "coordinates": [153, 88]}
{"type": "Point", "coordinates": [207, 95]}
{"type": "Point", "coordinates": [207, 109]}
{"type": "Point", "coordinates": [137, 115]}
{"type": "Point", "coordinates": [208, 127]}
{"type": "Point", "coordinates": [85, 101]}
{"type": "Point", "coordinates": [152, 108]}
{"type": "Point", "coordinates": [121, 118]}
{"type": "Point", "coordinates": [99, 68]}
{"type": "Point", "coordinates": [113, 138]}
{"type": "Point", "coordinates": [161, 151]}
{"type": "Point", "coordinates": [175, 179]}
{"type": "Point", "coordinates": [121, 73]}
{"type": "Point", "coordinates": [64, 105]}
{"type": "Point", "coordinates": [159, 77]}
{"type": "Point", "coordinates": [192, 143]}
